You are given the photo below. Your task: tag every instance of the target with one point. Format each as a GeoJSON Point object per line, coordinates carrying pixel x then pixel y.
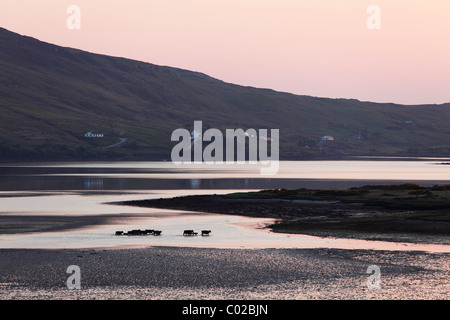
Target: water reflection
{"type": "Point", "coordinates": [166, 176]}
{"type": "Point", "coordinates": [80, 189]}
{"type": "Point", "coordinates": [195, 183]}
{"type": "Point", "coordinates": [93, 183]}
{"type": "Point", "coordinates": [227, 232]}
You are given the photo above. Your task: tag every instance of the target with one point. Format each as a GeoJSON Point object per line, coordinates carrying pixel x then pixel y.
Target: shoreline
{"type": "Point", "coordinates": [185, 273]}
{"type": "Point", "coordinates": [317, 213]}
{"type": "Point", "coordinates": [389, 213]}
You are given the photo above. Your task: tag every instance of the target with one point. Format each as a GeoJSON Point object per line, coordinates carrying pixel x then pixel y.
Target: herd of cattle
{"type": "Point", "coordinates": [139, 232]}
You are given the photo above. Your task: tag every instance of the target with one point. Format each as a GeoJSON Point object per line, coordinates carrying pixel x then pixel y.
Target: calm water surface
{"type": "Point", "coordinates": [65, 189]}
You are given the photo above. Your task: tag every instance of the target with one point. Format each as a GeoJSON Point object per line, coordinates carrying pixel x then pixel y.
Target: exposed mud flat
{"type": "Point", "coordinates": [202, 273]}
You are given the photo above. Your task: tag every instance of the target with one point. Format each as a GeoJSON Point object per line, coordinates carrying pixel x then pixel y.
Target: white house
{"type": "Point", "coordinates": [93, 135]}
{"type": "Point", "coordinates": [327, 138]}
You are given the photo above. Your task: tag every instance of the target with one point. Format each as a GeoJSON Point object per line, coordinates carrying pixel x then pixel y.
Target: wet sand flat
{"type": "Point", "coordinates": [176, 273]}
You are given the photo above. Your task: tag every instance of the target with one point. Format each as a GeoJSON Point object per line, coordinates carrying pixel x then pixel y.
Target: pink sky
{"type": "Point", "coordinates": [316, 47]}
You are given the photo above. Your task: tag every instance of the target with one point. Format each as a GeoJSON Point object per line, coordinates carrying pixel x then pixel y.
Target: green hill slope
{"type": "Point", "coordinates": [51, 95]}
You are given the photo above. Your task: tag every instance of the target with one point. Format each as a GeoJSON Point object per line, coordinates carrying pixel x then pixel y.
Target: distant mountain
{"type": "Point", "coordinates": [50, 96]}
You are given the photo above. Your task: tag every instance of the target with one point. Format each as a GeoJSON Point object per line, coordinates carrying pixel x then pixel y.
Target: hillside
{"type": "Point", "coordinates": [50, 96]}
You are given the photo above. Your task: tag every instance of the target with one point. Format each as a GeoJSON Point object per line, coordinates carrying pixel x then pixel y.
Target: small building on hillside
{"type": "Point", "coordinates": [93, 135]}
{"type": "Point", "coordinates": [327, 138]}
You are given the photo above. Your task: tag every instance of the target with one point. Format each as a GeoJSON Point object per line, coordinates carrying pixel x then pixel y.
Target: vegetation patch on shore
{"type": "Point", "coordinates": [403, 196]}
{"type": "Point", "coordinates": [356, 212]}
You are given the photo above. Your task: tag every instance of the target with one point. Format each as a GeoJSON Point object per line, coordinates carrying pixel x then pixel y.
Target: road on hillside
{"type": "Point", "coordinates": [122, 141]}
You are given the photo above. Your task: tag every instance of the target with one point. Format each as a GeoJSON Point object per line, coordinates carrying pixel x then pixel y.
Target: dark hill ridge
{"type": "Point", "coordinates": [51, 95]}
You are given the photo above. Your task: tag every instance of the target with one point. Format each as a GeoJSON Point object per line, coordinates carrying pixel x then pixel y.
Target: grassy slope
{"type": "Point", "coordinates": [50, 96]}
